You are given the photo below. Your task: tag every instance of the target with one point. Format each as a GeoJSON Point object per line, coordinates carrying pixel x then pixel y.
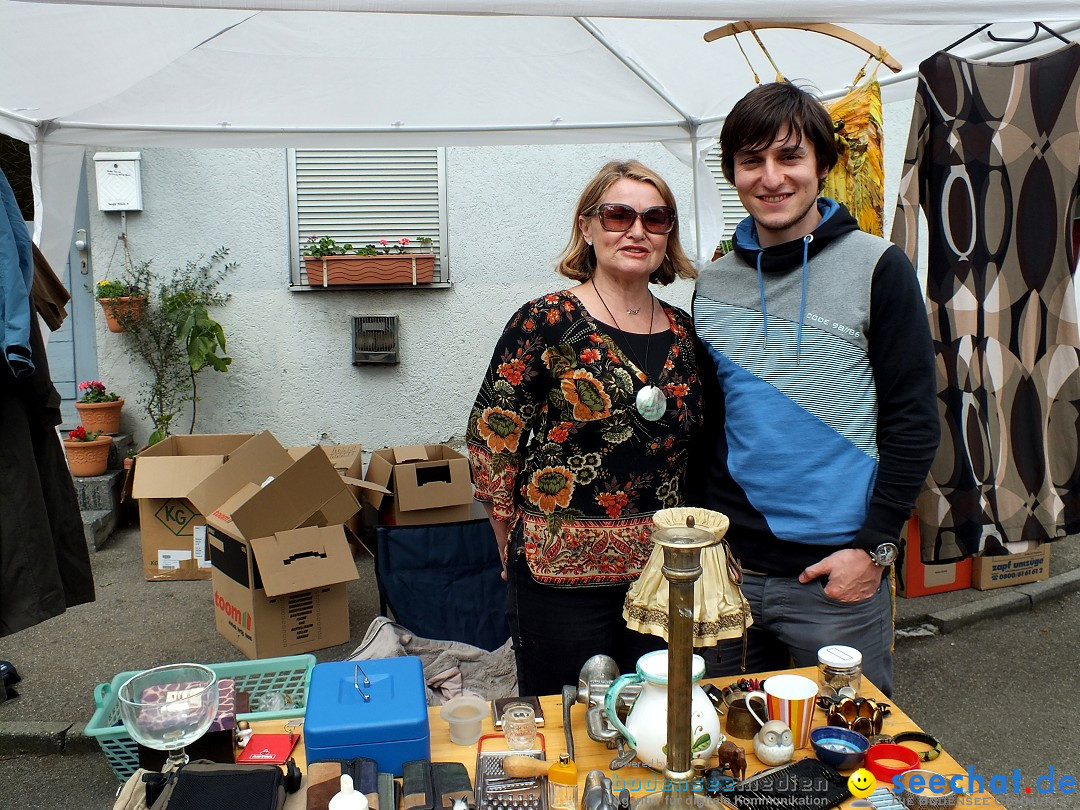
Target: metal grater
{"type": "Point", "coordinates": [497, 791]}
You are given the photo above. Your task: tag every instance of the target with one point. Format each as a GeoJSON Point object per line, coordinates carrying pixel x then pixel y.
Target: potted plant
{"type": "Point", "coordinates": [175, 337]}
{"type": "Point", "coordinates": [99, 408]}
{"type": "Point", "coordinates": [328, 263]}
{"type": "Point", "coordinates": [87, 452]}
{"type": "Point", "coordinates": [121, 302]}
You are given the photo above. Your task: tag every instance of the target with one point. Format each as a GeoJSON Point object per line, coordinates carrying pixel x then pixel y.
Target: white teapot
{"type": "Point", "coordinates": [646, 724]}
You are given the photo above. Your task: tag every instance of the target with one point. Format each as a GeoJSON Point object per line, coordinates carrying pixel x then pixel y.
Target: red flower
{"type": "Point", "coordinates": [589, 355]}
{"type": "Point", "coordinates": [512, 371]}
{"type": "Point", "coordinates": [78, 434]}
{"type": "Point", "coordinates": [553, 316]}
{"type": "Point", "coordinates": [560, 432]}
{"type": "Point", "coordinates": [613, 503]}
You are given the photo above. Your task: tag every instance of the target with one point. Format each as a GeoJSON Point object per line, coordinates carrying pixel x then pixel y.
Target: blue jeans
{"type": "Point", "coordinates": [793, 621]}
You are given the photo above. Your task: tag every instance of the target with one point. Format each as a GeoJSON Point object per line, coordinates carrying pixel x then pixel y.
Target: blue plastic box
{"type": "Point", "coordinates": [391, 727]}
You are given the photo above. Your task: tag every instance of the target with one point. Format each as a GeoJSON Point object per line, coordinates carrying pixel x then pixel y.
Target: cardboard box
{"type": "Point", "coordinates": [1010, 569]}
{"type": "Point", "coordinates": [431, 483]}
{"type": "Point", "coordinates": [173, 533]}
{"type": "Point", "coordinates": [279, 553]}
{"type": "Point", "coordinates": [916, 578]}
{"type": "Point", "coordinates": [348, 460]}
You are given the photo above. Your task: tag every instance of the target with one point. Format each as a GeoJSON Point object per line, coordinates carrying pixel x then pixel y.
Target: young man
{"type": "Point", "coordinates": [822, 414]}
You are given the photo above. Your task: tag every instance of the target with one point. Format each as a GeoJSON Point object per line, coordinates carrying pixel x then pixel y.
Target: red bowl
{"type": "Point", "coordinates": [886, 760]}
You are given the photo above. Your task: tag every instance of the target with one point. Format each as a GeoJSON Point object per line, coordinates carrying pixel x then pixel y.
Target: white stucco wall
{"type": "Point", "coordinates": [509, 216]}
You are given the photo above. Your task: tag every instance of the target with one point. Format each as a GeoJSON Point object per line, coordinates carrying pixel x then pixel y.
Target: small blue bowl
{"type": "Point", "coordinates": [839, 747]}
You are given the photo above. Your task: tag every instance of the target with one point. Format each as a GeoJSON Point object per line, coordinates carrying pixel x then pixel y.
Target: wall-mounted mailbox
{"type": "Point", "coordinates": [119, 181]}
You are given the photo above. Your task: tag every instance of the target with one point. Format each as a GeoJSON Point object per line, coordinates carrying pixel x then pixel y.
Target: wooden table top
{"type": "Point", "coordinates": [592, 755]}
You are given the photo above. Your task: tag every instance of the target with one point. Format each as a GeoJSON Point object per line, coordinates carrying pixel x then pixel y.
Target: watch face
{"type": "Point", "coordinates": [886, 554]}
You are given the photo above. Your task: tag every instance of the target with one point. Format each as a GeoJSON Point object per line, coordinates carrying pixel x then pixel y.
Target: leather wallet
{"type": "Point", "coordinates": [418, 792]}
{"type": "Point", "coordinates": [451, 782]}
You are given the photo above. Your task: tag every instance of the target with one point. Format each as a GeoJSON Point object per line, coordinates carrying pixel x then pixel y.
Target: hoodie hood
{"type": "Point", "coordinates": [835, 221]}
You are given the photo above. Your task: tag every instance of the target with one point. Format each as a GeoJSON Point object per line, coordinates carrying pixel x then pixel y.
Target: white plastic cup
{"type": "Point", "coordinates": [465, 716]}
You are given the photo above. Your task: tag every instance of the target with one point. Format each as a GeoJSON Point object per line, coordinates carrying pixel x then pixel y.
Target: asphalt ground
{"type": "Point", "coordinates": [46, 761]}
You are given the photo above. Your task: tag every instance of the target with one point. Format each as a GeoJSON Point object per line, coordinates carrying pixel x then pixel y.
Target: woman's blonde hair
{"type": "Point", "coordinates": [578, 261]}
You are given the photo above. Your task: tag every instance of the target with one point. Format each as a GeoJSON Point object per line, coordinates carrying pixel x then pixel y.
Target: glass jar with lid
{"type": "Point", "coordinates": [839, 671]}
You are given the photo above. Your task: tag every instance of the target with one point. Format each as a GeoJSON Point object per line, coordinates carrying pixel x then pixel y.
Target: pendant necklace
{"type": "Point", "coordinates": [650, 402]}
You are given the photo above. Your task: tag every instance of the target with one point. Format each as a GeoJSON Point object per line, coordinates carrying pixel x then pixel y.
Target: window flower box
{"type": "Point", "coordinates": [401, 268]}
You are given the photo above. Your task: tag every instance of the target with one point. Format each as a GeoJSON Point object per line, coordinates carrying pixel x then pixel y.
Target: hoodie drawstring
{"type": "Point", "coordinates": [761, 290]}
{"type": "Point", "coordinates": [806, 240]}
{"type": "Point", "coordinates": [802, 300]}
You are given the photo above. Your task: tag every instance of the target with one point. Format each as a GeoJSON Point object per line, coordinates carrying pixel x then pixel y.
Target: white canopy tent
{"type": "Point", "coordinates": [423, 72]}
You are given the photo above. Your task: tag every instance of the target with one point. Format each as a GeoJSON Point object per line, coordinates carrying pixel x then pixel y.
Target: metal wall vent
{"type": "Point", "coordinates": [375, 339]}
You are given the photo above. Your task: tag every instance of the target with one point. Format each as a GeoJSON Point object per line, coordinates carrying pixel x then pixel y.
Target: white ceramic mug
{"type": "Point", "coordinates": [790, 699]}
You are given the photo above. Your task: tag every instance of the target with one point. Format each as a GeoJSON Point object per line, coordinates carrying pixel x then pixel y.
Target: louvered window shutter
{"type": "Point", "coordinates": [361, 196]}
{"type": "Point", "coordinates": [734, 212]}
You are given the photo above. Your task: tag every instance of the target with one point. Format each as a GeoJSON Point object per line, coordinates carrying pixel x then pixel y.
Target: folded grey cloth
{"type": "Point", "coordinates": [451, 668]}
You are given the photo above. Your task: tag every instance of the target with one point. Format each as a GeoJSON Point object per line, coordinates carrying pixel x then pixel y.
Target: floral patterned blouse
{"type": "Point", "coordinates": [557, 445]}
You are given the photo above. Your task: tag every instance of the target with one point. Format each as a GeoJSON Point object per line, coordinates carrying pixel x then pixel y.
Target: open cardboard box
{"type": "Point", "coordinates": [348, 460]}
{"type": "Point", "coordinates": [916, 578]}
{"type": "Point", "coordinates": [431, 483]}
{"type": "Point", "coordinates": [279, 551]}
{"type": "Point", "coordinates": [172, 529]}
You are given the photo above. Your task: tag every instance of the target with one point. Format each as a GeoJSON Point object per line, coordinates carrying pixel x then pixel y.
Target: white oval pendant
{"type": "Point", "coordinates": [651, 403]}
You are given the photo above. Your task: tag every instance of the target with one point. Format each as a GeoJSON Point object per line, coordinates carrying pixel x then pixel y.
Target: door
{"type": "Point", "coordinates": [72, 349]}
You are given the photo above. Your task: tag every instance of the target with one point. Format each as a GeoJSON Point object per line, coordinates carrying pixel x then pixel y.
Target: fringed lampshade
{"type": "Point", "coordinates": [720, 610]}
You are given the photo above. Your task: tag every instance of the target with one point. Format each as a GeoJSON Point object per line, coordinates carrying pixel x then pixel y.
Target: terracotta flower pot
{"type": "Point", "coordinates": [118, 309]}
{"type": "Point", "coordinates": [88, 458]}
{"type": "Point", "coordinates": [396, 268]}
{"type": "Point", "coordinates": [102, 416]}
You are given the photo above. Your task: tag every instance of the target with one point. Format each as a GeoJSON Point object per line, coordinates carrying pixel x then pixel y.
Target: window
{"type": "Point", "coordinates": [734, 212]}
{"type": "Point", "coordinates": [360, 196]}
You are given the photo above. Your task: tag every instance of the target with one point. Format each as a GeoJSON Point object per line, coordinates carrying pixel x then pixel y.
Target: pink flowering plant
{"type": "Point", "coordinates": [318, 247]}
{"type": "Point", "coordinates": [81, 434]}
{"type": "Point", "coordinates": [95, 391]}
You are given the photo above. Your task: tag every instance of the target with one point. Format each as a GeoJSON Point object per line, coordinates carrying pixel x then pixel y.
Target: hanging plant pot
{"type": "Point", "coordinates": [88, 458]}
{"type": "Point", "coordinates": [117, 310]}
{"type": "Point", "coordinates": [403, 268]}
{"type": "Point", "coordinates": [103, 417]}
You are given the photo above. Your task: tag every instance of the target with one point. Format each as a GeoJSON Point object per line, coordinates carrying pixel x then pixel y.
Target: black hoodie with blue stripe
{"type": "Point", "coordinates": [821, 407]}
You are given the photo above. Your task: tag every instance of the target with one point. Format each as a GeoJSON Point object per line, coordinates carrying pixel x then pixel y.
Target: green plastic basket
{"type": "Point", "coordinates": [289, 675]}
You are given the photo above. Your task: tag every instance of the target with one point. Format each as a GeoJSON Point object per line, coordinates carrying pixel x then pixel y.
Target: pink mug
{"type": "Point", "coordinates": [790, 699]}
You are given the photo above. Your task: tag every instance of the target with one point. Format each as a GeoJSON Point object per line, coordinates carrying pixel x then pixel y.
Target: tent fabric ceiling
{"type": "Point", "coordinates": [452, 73]}
{"type": "Point", "coordinates": [355, 73]}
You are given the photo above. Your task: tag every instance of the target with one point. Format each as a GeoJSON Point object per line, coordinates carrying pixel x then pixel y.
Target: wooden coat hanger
{"type": "Point", "coordinates": [828, 29]}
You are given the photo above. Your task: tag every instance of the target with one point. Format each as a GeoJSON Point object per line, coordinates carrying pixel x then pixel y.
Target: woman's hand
{"type": "Point", "coordinates": [502, 537]}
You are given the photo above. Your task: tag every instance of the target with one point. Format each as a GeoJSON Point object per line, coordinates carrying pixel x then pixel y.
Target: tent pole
{"type": "Point", "coordinates": [636, 69]}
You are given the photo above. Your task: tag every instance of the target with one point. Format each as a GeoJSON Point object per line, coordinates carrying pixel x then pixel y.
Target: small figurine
{"type": "Point", "coordinates": [733, 758]}
{"type": "Point", "coordinates": [773, 744]}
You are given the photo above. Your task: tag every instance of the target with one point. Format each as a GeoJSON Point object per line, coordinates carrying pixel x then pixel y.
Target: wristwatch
{"type": "Point", "coordinates": [884, 555]}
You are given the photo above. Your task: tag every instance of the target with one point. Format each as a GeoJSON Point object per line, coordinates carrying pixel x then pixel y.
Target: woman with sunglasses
{"type": "Point", "coordinates": [581, 429]}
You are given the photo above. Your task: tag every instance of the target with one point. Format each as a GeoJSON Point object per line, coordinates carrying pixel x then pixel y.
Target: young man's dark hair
{"type": "Point", "coordinates": [757, 118]}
